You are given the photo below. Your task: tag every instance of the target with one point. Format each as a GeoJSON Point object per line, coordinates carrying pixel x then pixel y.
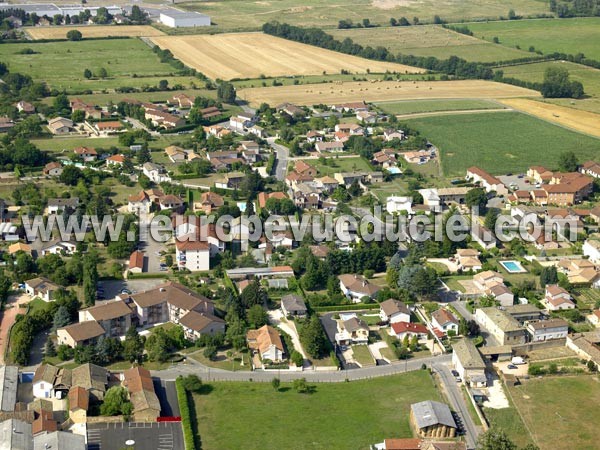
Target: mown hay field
{"type": "Point", "coordinates": [251, 55]}
{"type": "Point", "coordinates": [382, 91]}
{"type": "Point", "coordinates": [500, 142]}
{"type": "Point", "coordinates": [94, 31]}
{"type": "Point", "coordinates": [430, 40]}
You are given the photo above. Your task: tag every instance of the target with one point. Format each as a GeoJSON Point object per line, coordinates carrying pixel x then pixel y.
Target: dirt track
{"type": "Point", "coordinates": [575, 119]}
{"type": "Point", "coordinates": [310, 94]}
{"type": "Point", "coordinates": [250, 55]}
{"type": "Point", "coordinates": [11, 309]}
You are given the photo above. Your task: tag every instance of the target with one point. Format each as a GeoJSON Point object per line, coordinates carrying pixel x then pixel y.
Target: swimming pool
{"type": "Point", "coordinates": [513, 266]}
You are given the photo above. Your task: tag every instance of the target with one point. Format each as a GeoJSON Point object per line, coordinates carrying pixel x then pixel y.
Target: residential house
{"type": "Point", "coordinates": [87, 154]}
{"type": "Point", "coordinates": [502, 294]}
{"type": "Point", "coordinates": [163, 119]}
{"type": "Point", "coordinates": [267, 343]}
{"type": "Point", "coordinates": [432, 419]}
{"type": "Point", "coordinates": [209, 201]}
{"type": "Point", "coordinates": [392, 311]}
{"type": "Point", "coordinates": [557, 298]}
{"type": "Point", "coordinates": [591, 249]}
{"type": "Point", "coordinates": [260, 272]}
{"type": "Point", "coordinates": [60, 125]}
{"type": "Point", "coordinates": [438, 199]}
{"type": "Point", "coordinates": [25, 107]}
{"type": "Point", "coordinates": [19, 247]}
{"type": "Point", "coordinates": [113, 316]}
{"type": "Point", "coordinates": [351, 107]}
{"type": "Point", "coordinates": [417, 157]}
{"type": "Point", "coordinates": [351, 129]}
{"type": "Point", "coordinates": [9, 382]}
{"type": "Point", "coordinates": [145, 402]}
{"type": "Point", "coordinates": [192, 254]}
{"type": "Point", "coordinates": [59, 440]}
{"type": "Point", "coordinates": [44, 423]}
{"type": "Point", "coordinates": [108, 126]}
{"type": "Point", "coordinates": [7, 124]}
{"type": "Point", "coordinates": [487, 279]}
{"type": "Point", "coordinates": [444, 321]}
{"type": "Point", "coordinates": [524, 312]}
{"type": "Point", "coordinates": [232, 180]}
{"type": "Point", "coordinates": [115, 161]}
{"type": "Point", "coordinates": [544, 330]}
{"type": "Point", "coordinates": [367, 117]}
{"type": "Point", "coordinates": [407, 329]}
{"type": "Point", "coordinates": [217, 131]}
{"type": "Point", "coordinates": [568, 189]}
{"type": "Point", "coordinates": [352, 331]}
{"type": "Point", "coordinates": [170, 202]}
{"type": "Point", "coordinates": [539, 174]}
{"type": "Point", "coordinates": [467, 259]}
{"type": "Point", "coordinates": [303, 168]}
{"type": "Point", "coordinates": [175, 154]}
{"type": "Point", "coordinates": [326, 184]}
{"type": "Point", "coordinates": [58, 247]}
{"type": "Point", "coordinates": [155, 173]}
{"type": "Point", "coordinates": [291, 110]}
{"type": "Point", "coordinates": [483, 236]}
{"type": "Point", "coordinates": [79, 402]}
{"type": "Point", "coordinates": [292, 305]}
{"type": "Point", "coordinates": [396, 204]}
{"type": "Point", "coordinates": [43, 381]}
{"type": "Point", "coordinates": [348, 178]}
{"type": "Point", "coordinates": [136, 262]}
{"type": "Point", "coordinates": [82, 333]}
{"type": "Point", "coordinates": [487, 181]}
{"type": "Point", "coordinates": [53, 169]}
{"type": "Point", "coordinates": [41, 287]}
{"type": "Point", "coordinates": [139, 203]}
{"type": "Point", "coordinates": [183, 101]}
{"type": "Point", "coordinates": [196, 324]}
{"type": "Point", "coordinates": [210, 112]}
{"type": "Point", "coordinates": [314, 136]}
{"type": "Point", "coordinates": [385, 158]}
{"type": "Point", "coordinates": [390, 134]}
{"type": "Point", "coordinates": [263, 197]}
{"type": "Point", "coordinates": [355, 287]}
{"type": "Point", "coordinates": [505, 328]}
{"type": "Point", "coordinates": [93, 378]}
{"type": "Point", "coordinates": [591, 168]}
{"type": "Point", "coordinates": [594, 318]}
{"type": "Point", "coordinates": [329, 147]}
{"type": "Point", "coordinates": [56, 205]}
{"type": "Point", "coordinates": [469, 363]}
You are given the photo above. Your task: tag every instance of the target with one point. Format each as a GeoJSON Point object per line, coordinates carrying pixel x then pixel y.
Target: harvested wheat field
{"type": "Point", "coordinates": [575, 119]}
{"type": "Point", "coordinates": [309, 94]}
{"type": "Point", "coordinates": [94, 31]}
{"type": "Point", "coordinates": [250, 55]}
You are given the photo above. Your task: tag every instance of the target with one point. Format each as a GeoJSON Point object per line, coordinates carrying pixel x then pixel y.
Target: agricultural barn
{"type": "Point", "coordinates": [432, 419]}
{"type": "Point", "coordinates": [175, 19]}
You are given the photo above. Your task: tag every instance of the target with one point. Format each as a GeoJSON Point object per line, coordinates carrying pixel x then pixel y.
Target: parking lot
{"type": "Point", "coordinates": [521, 182]}
{"type": "Point", "coordinates": [114, 287]}
{"type": "Point", "coordinates": [147, 436]}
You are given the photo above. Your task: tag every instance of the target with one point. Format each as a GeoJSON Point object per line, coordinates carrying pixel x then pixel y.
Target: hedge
{"type": "Point", "coordinates": [184, 410]}
{"type": "Point", "coordinates": [140, 276]}
{"type": "Point", "coordinates": [356, 307]}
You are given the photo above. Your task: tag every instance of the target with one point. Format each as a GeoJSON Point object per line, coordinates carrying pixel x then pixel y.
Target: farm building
{"type": "Point", "coordinates": [432, 419]}
{"type": "Point", "coordinates": [468, 362]}
{"type": "Point", "coordinates": [175, 19]}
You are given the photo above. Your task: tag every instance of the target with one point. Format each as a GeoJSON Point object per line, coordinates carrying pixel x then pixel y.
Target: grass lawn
{"type": "Point", "coordinates": [425, 106]}
{"type": "Point", "coordinates": [362, 355]}
{"type": "Point", "coordinates": [57, 145]}
{"type": "Point", "coordinates": [61, 64]}
{"type": "Point", "coordinates": [500, 142]}
{"type": "Point", "coordinates": [566, 405]}
{"type": "Point", "coordinates": [572, 36]}
{"type": "Point", "coordinates": [244, 15]}
{"type": "Point", "coordinates": [470, 406]}
{"type": "Point", "coordinates": [333, 417]}
{"type": "Point", "coordinates": [509, 420]}
{"type": "Point", "coordinates": [334, 165]}
{"type": "Point", "coordinates": [223, 362]}
{"type": "Point", "coordinates": [430, 40]}
{"type": "Point", "coordinates": [588, 76]}
{"type": "Point", "coordinates": [37, 304]}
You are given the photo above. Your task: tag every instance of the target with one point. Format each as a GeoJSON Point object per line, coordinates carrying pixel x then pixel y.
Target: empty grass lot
{"type": "Point", "coordinates": [245, 15]}
{"type": "Point", "coordinates": [500, 142]}
{"type": "Point", "coordinates": [426, 106]}
{"type": "Point", "coordinates": [339, 165]}
{"type": "Point", "coordinates": [61, 64]}
{"type": "Point", "coordinates": [566, 405]}
{"type": "Point", "coordinates": [92, 31]}
{"type": "Point", "coordinates": [430, 40]}
{"type": "Point", "coordinates": [333, 417]}
{"type": "Point", "coordinates": [572, 36]}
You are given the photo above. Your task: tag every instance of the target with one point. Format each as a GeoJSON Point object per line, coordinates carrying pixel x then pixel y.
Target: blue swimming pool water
{"type": "Point", "coordinates": [511, 266]}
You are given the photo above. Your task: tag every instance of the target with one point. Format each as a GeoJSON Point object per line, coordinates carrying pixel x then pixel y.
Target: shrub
{"type": "Point", "coordinates": [184, 410]}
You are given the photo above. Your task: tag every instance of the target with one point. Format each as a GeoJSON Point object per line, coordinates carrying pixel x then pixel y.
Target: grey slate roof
{"type": "Point", "coordinates": [430, 413]}
{"type": "Point", "coordinates": [468, 355]}
{"type": "Point", "coordinates": [9, 379]}
{"type": "Point", "coordinates": [293, 302]}
{"type": "Point", "coordinates": [59, 440]}
{"type": "Point", "coordinates": [15, 435]}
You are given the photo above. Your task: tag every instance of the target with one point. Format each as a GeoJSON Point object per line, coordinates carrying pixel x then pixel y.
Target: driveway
{"type": "Point", "coordinates": [167, 394]}
{"type": "Point", "coordinates": [289, 327]}
{"type": "Point", "coordinates": [11, 309]}
{"type": "Point", "coordinates": [283, 153]}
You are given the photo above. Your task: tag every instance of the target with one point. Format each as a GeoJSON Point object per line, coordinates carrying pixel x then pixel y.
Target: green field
{"type": "Point", "coordinates": [244, 15]}
{"type": "Point", "coordinates": [57, 145]}
{"type": "Point", "coordinates": [340, 165]}
{"type": "Point", "coordinates": [500, 142]}
{"type": "Point", "coordinates": [336, 416]}
{"type": "Point", "coordinates": [430, 40]}
{"type": "Point", "coordinates": [61, 64]}
{"type": "Point", "coordinates": [589, 77]}
{"type": "Point", "coordinates": [566, 405]}
{"type": "Point", "coordinates": [425, 106]}
{"type": "Point", "coordinates": [548, 35]}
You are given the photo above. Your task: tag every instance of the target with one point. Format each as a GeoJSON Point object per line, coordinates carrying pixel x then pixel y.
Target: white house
{"type": "Point", "coordinates": [41, 287]}
{"type": "Point", "coordinates": [557, 298]}
{"type": "Point", "coordinates": [43, 381]}
{"type": "Point", "coordinates": [155, 173]}
{"type": "Point", "coordinates": [502, 294]}
{"type": "Point", "coordinates": [469, 364]}
{"type": "Point", "coordinates": [193, 255]}
{"type": "Point", "coordinates": [58, 247]}
{"type": "Point", "coordinates": [395, 204]}
{"type": "Point", "coordinates": [444, 320]}
{"type": "Point", "coordinates": [591, 249]}
{"type": "Point", "coordinates": [139, 203]}
{"type": "Point", "coordinates": [393, 311]}
{"type": "Point", "coordinates": [267, 343]}
{"type": "Point", "coordinates": [543, 330]}
{"type": "Point", "coordinates": [403, 329]}
{"type": "Point", "coordinates": [355, 287]}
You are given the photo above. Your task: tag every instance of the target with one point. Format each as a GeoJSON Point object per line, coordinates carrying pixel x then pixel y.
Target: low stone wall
{"type": "Point", "coordinates": [523, 349]}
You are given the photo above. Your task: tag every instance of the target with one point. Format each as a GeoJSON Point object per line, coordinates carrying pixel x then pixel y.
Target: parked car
{"type": "Point", "coordinates": [125, 291]}
{"type": "Point", "coordinates": [511, 367]}
{"type": "Point", "coordinates": [455, 373]}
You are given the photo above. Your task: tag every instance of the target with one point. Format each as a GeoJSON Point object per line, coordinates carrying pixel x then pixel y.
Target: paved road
{"type": "Point", "coordinates": [211, 374]}
{"type": "Point", "coordinates": [460, 306]}
{"type": "Point", "coordinates": [458, 403]}
{"type": "Point", "coordinates": [167, 394]}
{"type": "Point", "coordinates": [281, 163]}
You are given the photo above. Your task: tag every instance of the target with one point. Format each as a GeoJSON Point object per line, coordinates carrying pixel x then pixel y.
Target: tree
{"type": "Point", "coordinates": [49, 349]}
{"type": "Point", "coordinates": [115, 402]}
{"type": "Point", "coordinates": [163, 85]}
{"type": "Point", "coordinates": [192, 383]}
{"type": "Point", "coordinates": [568, 162]}
{"type": "Point", "coordinates": [62, 317]}
{"type": "Point", "coordinates": [548, 275]}
{"type": "Point", "coordinates": [133, 346]}
{"type": "Point", "coordinates": [297, 358]}
{"type": "Point", "coordinates": [276, 382]}
{"type": "Point", "coordinates": [74, 35]}
{"type": "Point", "coordinates": [70, 175]}
{"type": "Point", "coordinates": [495, 439]}
{"type": "Point", "coordinates": [87, 74]}
{"type": "Point", "coordinates": [78, 115]}
{"type": "Point", "coordinates": [477, 198]}
{"type": "Point", "coordinates": [157, 346]}
{"type": "Point", "coordinates": [226, 92]}
{"type": "Point", "coordinates": [490, 218]}
{"type": "Point", "coordinates": [210, 352]}
{"type": "Point", "coordinates": [557, 84]}
{"type": "Point", "coordinates": [313, 338]}
{"type": "Point", "coordinates": [257, 316]}
{"type": "Point", "coordinates": [253, 294]}
{"type": "Point", "coordinates": [512, 15]}
{"type": "Point", "coordinates": [102, 73]}
{"type": "Point", "coordinates": [301, 386]}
